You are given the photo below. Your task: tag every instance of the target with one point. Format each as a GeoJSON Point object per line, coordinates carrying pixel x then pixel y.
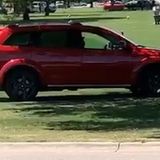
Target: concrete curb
{"type": "Point", "coordinates": [82, 143]}
{"type": "Point", "coordinates": [87, 146]}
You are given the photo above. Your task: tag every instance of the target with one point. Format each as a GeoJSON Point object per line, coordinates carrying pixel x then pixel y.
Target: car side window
{"type": "Point", "coordinates": [101, 42]}
{"type": "Point", "coordinates": [94, 41]}
{"type": "Point", "coordinates": [54, 39]}
{"type": "Point", "coordinates": [75, 39]}
{"type": "Point", "coordinates": [18, 39]}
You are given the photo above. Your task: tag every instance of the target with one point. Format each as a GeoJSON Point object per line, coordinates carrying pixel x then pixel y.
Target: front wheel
{"type": "Point", "coordinates": [149, 84]}
{"type": "Point", "coordinates": [152, 82]}
{"type": "Point", "coordinates": [21, 85]}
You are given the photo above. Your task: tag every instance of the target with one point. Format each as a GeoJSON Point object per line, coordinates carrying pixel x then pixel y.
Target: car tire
{"type": "Point", "coordinates": [152, 82]}
{"type": "Point", "coordinates": [149, 84]}
{"type": "Point", "coordinates": [21, 85]}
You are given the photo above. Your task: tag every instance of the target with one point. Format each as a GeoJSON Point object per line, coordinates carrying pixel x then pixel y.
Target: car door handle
{"type": "Point", "coordinates": [41, 53]}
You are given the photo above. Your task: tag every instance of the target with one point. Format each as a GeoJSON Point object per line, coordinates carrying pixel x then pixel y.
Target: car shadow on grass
{"type": "Point", "coordinates": [106, 112]}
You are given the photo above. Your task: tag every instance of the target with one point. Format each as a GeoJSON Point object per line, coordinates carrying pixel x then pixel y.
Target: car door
{"type": "Point", "coordinates": [103, 63]}
{"type": "Point", "coordinates": [60, 64]}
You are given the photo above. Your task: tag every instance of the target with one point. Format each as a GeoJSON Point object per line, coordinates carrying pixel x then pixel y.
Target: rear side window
{"type": "Point", "coordinates": [49, 39]}
{"type": "Point", "coordinates": [54, 39]}
{"type": "Point", "coordinates": [18, 39]}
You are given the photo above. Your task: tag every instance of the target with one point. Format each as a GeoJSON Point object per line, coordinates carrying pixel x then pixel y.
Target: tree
{"type": "Point", "coordinates": [18, 5]}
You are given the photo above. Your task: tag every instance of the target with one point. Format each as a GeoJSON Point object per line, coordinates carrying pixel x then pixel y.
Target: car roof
{"type": "Point", "coordinates": [41, 24]}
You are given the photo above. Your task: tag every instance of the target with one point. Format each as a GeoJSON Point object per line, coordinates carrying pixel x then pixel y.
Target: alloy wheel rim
{"type": "Point", "coordinates": [22, 87]}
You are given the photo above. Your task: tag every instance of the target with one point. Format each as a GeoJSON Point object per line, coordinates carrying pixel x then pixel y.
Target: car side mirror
{"type": "Point", "coordinates": [118, 46]}
{"type": "Point", "coordinates": [121, 45]}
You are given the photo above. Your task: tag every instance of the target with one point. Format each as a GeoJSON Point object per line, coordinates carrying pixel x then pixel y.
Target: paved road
{"type": "Point", "coordinates": [80, 151]}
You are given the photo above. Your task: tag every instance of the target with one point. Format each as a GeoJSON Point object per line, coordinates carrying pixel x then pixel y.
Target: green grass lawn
{"type": "Point", "coordinates": [88, 115]}
{"type": "Point", "coordinates": [84, 115]}
{"type": "Point", "coordinates": [139, 27]}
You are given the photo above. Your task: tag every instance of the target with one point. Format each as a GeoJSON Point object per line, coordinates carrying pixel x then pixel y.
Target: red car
{"type": "Point", "coordinates": [116, 6]}
{"type": "Point", "coordinates": [36, 57]}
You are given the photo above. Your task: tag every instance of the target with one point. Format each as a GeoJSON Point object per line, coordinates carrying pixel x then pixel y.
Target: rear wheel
{"type": "Point", "coordinates": [21, 85]}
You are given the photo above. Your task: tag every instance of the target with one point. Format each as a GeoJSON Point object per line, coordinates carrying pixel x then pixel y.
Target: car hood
{"type": "Point", "coordinates": [146, 51]}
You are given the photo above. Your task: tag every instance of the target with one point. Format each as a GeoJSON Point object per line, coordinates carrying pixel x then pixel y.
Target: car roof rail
{"type": "Point", "coordinates": [74, 22]}
{"type": "Point", "coordinates": [13, 25]}
{"type": "Point", "coordinates": [16, 25]}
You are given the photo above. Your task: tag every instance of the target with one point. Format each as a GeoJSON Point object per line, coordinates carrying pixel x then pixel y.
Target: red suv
{"type": "Point", "coordinates": [36, 57]}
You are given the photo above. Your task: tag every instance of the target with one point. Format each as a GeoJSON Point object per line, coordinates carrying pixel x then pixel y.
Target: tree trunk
{"type": "Point", "coordinates": [16, 8]}
{"type": "Point", "coordinates": [26, 10]}
{"type": "Point", "coordinates": [26, 14]}
{"type": "Point", "coordinates": [91, 3]}
{"type": "Point", "coordinates": [47, 10]}
{"type": "Point", "coordinates": [68, 3]}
